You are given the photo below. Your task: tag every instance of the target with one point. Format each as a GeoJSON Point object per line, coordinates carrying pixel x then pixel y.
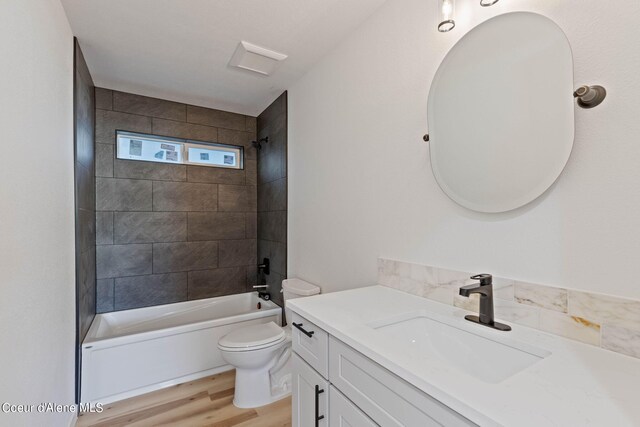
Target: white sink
{"type": "Point", "coordinates": [487, 359]}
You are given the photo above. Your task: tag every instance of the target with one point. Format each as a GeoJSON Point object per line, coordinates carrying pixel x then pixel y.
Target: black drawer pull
{"type": "Point", "coordinates": [318, 416]}
{"type": "Point", "coordinates": [307, 333]}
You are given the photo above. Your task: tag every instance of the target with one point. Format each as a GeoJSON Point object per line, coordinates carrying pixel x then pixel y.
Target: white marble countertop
{"type": "Point", "coordinates": [577, 385]}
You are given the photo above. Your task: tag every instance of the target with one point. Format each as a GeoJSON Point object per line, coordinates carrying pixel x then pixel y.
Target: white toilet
{"type": "Point", "coordinates": [261, 353]}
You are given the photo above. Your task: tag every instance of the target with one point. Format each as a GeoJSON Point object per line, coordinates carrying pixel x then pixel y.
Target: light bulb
{"type": "Point", "coordinates": [447, 10]}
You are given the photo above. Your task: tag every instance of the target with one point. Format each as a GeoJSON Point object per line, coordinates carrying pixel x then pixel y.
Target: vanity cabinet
{"type": "Point", "coordinates": [335, 385]}
{"type": "Point", "coordinates": [310, 392]}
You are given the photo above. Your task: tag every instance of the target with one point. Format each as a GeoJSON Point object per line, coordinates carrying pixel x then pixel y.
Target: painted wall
{"type": "Point", "coordinates": [37, 308]}
{"type": "Point", "coordinates": [169, 233]}
{"type": "Point", "coordinates": [361, 185]}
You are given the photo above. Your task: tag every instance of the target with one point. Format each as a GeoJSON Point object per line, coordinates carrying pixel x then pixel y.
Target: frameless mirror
{"type": "Point", "coordinates": [500, 113]}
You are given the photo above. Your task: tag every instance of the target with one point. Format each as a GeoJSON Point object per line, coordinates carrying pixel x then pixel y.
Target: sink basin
{"type": "Point", "coordinates": [484, 358]}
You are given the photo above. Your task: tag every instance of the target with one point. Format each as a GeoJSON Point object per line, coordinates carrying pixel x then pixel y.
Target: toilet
{"type": "Point", "coordinates": [261, 354]}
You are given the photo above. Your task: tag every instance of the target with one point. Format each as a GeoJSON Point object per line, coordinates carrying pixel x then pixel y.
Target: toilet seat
{"type": "Point", "coordinates": [253, 337]}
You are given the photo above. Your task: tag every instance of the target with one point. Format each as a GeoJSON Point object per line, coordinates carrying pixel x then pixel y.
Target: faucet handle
{"type": "Point", "coordinates": [485, 279]}
{"type": "Point", "coordinates": [264, 266]}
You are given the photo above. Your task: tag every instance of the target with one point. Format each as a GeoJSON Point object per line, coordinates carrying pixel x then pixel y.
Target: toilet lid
{"type": "Point", "coordinates": [252, 336]}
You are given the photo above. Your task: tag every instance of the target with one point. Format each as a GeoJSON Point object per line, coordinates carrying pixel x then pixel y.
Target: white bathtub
{"type": "Point", "coordinates": [132, 352]}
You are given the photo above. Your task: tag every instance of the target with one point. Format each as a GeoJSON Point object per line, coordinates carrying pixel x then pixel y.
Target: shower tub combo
{"type": "Point", "coordinates": [132, 352]}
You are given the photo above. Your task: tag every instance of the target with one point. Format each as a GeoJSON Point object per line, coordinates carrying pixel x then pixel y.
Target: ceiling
{"type": "Point", "coordinates": [180, 49]}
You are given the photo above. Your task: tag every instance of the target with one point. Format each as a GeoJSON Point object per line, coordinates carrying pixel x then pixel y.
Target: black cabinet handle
{"type": "Point", "coordinates": [318, 416]}
{"type": "Point", "coordinates": [307, 333]}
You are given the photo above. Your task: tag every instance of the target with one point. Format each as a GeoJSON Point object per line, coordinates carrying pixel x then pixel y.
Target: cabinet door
{"type": "Point", "coordinates": [310, 396]}
{"type": "Point", "coordinates": [387, 399]}
{"type": "Point", "coordinates": [343, 413]}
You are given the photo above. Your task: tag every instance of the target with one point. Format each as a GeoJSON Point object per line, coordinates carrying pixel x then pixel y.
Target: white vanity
{"type": "Point", "coordinates": [378, 356]}
{"type": "Point", "coordinates": [336, 385]}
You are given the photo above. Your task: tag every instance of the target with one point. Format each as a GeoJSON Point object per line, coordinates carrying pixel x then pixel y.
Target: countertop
{"type": "Point", "coordinates": [577, 385]}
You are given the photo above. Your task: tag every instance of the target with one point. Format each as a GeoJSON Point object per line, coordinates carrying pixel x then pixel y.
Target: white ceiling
{"type": "Point", "coordinates": [180, 49]}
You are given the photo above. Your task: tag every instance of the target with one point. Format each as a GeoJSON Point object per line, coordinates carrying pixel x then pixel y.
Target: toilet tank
{"type": "Point", "coordinates": [296, 288]}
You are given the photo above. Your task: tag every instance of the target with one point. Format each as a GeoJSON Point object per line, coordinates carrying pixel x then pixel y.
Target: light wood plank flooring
{"type": "Point", "coordinates": [204, 402]}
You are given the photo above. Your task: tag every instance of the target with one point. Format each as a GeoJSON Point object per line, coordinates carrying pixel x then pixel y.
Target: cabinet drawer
{"type": "Point", "coordinates": [343, 413]}
{"type": "Point", "coordinates": [311, 343]}
{"type": "Point", "coordinates": [385, 398]}
{"type": "Point", "coordinates": [310, 404]}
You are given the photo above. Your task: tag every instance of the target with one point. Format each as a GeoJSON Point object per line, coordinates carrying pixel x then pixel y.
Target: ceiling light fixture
{"type": "Point", "coordinates": [447, 9]}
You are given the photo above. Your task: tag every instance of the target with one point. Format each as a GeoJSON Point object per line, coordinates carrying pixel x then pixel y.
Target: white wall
{"type": "Point", "coordinates": [360, 183]}
{"type": "Point", "coordinates": [37, 303]}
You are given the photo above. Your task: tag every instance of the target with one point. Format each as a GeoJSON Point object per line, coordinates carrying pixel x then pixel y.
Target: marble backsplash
{"type": "Point", "coordinates": [609, 322]}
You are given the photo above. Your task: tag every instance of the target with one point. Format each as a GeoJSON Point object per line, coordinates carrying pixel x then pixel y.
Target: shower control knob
{"type": "Point", "coordinates": [264, 295]}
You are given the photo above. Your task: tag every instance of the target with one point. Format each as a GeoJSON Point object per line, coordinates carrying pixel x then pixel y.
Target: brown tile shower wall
{"type": "Point", "coordinates": [272, 193]}
{"type": "Point", "coordinates": [170, 233]}
{"type": "Point", "coordinates": [85, 202]}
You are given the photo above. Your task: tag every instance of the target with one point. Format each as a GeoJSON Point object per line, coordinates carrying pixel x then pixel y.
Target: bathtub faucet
{"type": "Point", "coordinates": [263, 294]}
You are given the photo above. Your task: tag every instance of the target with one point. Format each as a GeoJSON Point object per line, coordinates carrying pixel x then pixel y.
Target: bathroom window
{"type": "Point", "coordinates": [226, 157]}
{"type": "Point", "coordinates": [151, 148]}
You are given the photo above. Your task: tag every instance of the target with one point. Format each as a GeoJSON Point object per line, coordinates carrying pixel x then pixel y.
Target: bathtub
{"type": "Point", "coordinates": [132, 352]}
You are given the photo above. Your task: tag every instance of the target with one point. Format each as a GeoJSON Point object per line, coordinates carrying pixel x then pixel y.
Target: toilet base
{"type": "Point", "coordinates": [270, 401]}
{"type": "Point", "coordinates": [263, 375]}
{"type": "Point", "coordinates": [261, 386]}
{"type": "Point", "coordinates": [253, 389]}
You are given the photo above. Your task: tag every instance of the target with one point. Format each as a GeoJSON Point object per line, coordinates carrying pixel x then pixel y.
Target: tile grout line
{"type": "Point", "coordinates": [152, 259]}
{"type": "Point", "coordinates": [185, 121]}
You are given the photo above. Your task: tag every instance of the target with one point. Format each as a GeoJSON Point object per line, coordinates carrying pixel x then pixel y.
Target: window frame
{"type": "Point", "coordinates": [185, 144]}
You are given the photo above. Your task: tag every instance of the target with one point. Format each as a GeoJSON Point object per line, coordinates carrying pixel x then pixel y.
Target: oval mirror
{"type": "Point", "coordinates": [501, 113]}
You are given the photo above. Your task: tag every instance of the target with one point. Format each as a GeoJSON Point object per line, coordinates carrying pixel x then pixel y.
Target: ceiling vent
{"type": "Point", "coordinates": [255, 58]}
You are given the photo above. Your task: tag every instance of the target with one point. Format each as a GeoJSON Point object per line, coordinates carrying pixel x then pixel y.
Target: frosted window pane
{"type": "Point", "coordinates": [148, 149]}
{"type": "Point", "coordinates": [213, 156]}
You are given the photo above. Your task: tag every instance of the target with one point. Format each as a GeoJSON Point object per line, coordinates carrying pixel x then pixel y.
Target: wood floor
{"type": "Point", "coordinates": [204, 402]}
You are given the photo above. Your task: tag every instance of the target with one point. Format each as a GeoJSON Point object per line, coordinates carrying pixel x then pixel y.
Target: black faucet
{"type": "Point", "coordinates": [262, 287]}
{"type": "Point", "coordinates": [264, 294]}
{"type": "Point", "coordinates": [264, 267]}
{"type": "Point", "coordinates": [485, 289]}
